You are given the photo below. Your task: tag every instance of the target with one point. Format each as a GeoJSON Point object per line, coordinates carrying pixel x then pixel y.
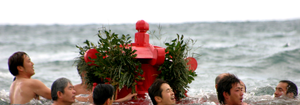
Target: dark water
{"type": "Point", "coordinates": [260, 53]}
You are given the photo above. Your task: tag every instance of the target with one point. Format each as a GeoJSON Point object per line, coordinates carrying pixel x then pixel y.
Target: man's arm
{"type": "Point", "coordinates": [126, 98]}
{"type": "Point", "coordinates": [41, 89]}
{"type": "Point", "coordinates": [90, 98]}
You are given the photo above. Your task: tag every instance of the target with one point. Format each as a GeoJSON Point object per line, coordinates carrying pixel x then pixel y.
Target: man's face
{"type": "Point", "coordinates": [236, 94]}
{"type": "Point", "coordinates": [69, 94]}
{"type": "Point", "coordinates": [28, 65]}
{"type": "Point", "coordinates": [280, 89]}
{"type": "Point", "coordinates": [243, 85]}
{"type": "Point", "coordinates": [167, 93]}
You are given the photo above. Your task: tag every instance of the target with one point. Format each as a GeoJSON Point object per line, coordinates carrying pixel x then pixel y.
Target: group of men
{"type": "Point", "coordinates": [62, 92]}
{"type": "Point", "coordinates": [230, 89]}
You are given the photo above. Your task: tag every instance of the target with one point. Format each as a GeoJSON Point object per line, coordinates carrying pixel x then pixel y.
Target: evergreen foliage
{"type": "Point", "coordinates": [174, 70]}
{"type": "Point", "coordinates": [116, 63]}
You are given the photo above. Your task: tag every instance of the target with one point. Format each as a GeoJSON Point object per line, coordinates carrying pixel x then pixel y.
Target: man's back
{"type": "Point", "coordinates": [23, 90]}
{"type": "Point", "coordinates": [81, 89]}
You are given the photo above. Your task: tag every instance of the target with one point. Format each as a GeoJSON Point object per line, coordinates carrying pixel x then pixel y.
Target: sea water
{"type": "Point", "coordinates": [260, 53]}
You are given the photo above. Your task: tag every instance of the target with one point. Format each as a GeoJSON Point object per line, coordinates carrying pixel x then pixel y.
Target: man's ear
{"type": "Point", "coordinates": [158, 99]}
{"type": "Point", "coordinates": [290, 95]}
{"type": "Point", "coordinates": [226, 95]}
{"type": "Point", "coordinates": [20, 68]}
{"type": "Point", "coordinates": [59, 94]}
{"type": "Point", "coordinates": [107, 102]}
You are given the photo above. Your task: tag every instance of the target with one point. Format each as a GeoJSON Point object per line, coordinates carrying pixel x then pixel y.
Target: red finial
{"type": "Point", "coordinates": [92, 54]}
{"type": "Point", "coordinates": [142, 26]}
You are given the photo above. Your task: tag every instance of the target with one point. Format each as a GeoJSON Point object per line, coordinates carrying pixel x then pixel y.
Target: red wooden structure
{"type": "Point", "coordinates": [149, 55]}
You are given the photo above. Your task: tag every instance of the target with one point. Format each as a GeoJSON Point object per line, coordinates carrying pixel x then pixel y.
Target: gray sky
{"type": "Point", "coordinates": [152, 11]}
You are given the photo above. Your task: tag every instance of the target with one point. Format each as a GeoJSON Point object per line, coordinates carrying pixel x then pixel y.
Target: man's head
{"type": "Point", "coordinates": [287, 88]}
{"type": "Point", "coordinates": [103, 94]}
{"type": "Point", "coordinates": [83, 73]}
{"type": "Point", "coordinates": [218, 78]}
{"type": "Point", "coordinates": [20, 62]}
{"type": "Point", "coordinates": [160, 92]}
{"type": "Point", "coordinates": [230, 91]}
{"type": "Point", "coordinates": [63, 91]}
{"type": "Point", "coordinates": [244, 86]}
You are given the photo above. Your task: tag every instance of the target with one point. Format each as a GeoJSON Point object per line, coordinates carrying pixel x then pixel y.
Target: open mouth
{"type": "Point", "coordinates": [172, 97]}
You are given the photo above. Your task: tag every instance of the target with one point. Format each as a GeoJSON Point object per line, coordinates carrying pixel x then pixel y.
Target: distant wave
{"type": "Point", "coordinates": [285, 57]}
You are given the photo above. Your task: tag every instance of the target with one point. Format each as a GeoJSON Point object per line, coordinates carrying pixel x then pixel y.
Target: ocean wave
{"type": "Point", "coordinates": [46, 57]}
{"type": "Point", "coordinates": [284, 57]}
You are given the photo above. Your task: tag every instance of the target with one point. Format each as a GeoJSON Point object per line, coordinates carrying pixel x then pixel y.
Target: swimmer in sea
{"type": "Point", "coordinates": [62, 92]}
{"type": "Point", "coordinates": [23, 89]}
{"type": "Point", "coordinates": [217, 79]}
{"type": "Point", "coordinates": [161, 93]}
{"type": "Point", "coordinates": [230, 90]}
{"type": "Point", "coordinates": [103, 94]}
{"type": "Point", "coordinates": [286, 88]}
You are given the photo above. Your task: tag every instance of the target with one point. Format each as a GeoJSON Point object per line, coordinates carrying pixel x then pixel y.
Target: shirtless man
{"type": "Point", "coordinates": [103, 94]}
{"type": "Point", "coordinates": [82, 88]}
{"type": "Point", "coordinates": [230, 90]}
{"type": "Point", "coordinates": [62, 92]}
{"type": "Point", "coordinates": [219, 77]}
{"type": "Point", "coordinates": [217, 80]}
{"type": "Point", "coordinates": [286, 88]}
{"type": "Point", "coordinates": [24, 89]}
{"type": "Point", "coordinates": [161, 93]}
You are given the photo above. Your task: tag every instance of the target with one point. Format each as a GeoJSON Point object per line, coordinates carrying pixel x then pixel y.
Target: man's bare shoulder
{"type": "Point", "coordinates": [25, 84]}
{"type": "Point", "coordinates": [81, 89]}
{"type": "Point", "coordinates": [21, 91]}
{"type": "Point", "coordinates": [35, 81]}
{"type": "Point", "coordinates": [29, 83]}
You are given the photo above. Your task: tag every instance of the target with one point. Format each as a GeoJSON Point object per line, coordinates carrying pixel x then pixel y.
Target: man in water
{"type": "Point", "coordinates": [24, 89]}
{"type": "Point", "coordinates": [220, 76]}
{"type": "Point", "coordinates": [286, 88]}
{"type": "Point", "coordinates": [161, 93]}
{"type": "Point", "coordinates": [213, 97]}
{"type": "Point", "coordinates": [103, 94]}
{"type": "Point", "coordinates": [62, 92]}
{"type": "Point", "coordinates": [230, 90]}
{"type": "Point", "coordinates": [82, 88]}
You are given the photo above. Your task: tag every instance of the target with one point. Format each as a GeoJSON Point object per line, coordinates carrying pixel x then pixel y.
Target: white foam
{"type": "Point", "coordinates": [60, 56]}
{"type": "Point", "coordinates": [6, 75]}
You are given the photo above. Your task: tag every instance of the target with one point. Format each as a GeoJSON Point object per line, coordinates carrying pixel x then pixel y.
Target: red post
{"type": "Point", "coordinates": [150, 56]}
{"type": "Point", "coordinates": [141, 37]}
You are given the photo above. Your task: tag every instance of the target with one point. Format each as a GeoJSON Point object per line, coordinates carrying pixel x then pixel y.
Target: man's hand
{"type": "Point", "coordinates": [129, 96]}
{"type": "Point", "coordinates": [126, 98]}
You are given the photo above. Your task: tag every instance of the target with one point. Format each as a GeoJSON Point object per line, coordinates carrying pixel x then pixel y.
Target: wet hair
{"type": "Point", "coordinates": [15, 60]}
{"type": "Point", "coordinates": [89, 76]}
{"type": "Point", "coordinates": [59, 85]}
{"type": "Point", "coordinates": [102, 92]}
{"type": "Point", "coordinates": [291, 88]}
{"type": "Point", "coordinates": [219, 77]}
{"type": "Point", "coordinates": [80, 63]}
{"type": "Point", "coordinates": [224, 85]}
{"type": "Point", "coordinates": [155, 90]}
